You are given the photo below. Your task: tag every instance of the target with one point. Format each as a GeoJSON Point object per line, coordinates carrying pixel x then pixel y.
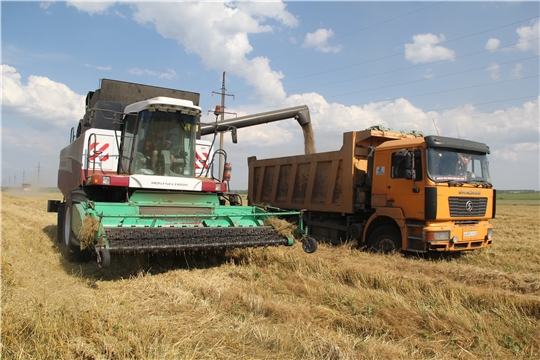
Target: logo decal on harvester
{"type": "Point", "coordinates": [469, 206]}
{"type": "Point", "coordinates": [99, 153]}
{"type": "Point", "coordinates": [202, 160]}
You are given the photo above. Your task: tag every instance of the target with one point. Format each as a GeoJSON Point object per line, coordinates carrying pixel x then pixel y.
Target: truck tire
{"type": "Point", "coordinates": [70, 250]}
{"type": "Point", "coordinates": [386, 239]}
{"type": "Point", "coordinates": [60, 223]}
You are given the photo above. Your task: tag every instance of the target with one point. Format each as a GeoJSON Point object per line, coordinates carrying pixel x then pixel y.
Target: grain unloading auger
{"type": "Point", "coordinates": [135, 178]}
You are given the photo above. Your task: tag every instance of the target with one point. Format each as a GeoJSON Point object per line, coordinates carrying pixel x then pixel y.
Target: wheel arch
{"type": "Point", "coordinates": [385, 217]}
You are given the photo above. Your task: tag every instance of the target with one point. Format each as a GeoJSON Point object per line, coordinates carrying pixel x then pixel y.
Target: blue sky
{"type": "Point", "coordinates": [469, 68]}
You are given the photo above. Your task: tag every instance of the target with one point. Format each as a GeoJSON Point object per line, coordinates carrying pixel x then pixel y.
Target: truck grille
{"type": "Point", "coordinates": [467, 207]}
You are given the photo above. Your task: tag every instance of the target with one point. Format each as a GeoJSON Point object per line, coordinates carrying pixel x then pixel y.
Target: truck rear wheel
{"type": "Point", "coordinates": [70, 250]}
{"type": "Point", "coordinates": [386, 239]}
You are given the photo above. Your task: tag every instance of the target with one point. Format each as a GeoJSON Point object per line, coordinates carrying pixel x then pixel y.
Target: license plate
{"type": "Point", "coordinates": [470, 233]}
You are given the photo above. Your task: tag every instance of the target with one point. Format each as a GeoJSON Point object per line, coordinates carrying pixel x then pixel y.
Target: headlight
{"type": "Point", "coordinates": [490, 234]}
{"type": "Point", "coordinates": [437, 235]}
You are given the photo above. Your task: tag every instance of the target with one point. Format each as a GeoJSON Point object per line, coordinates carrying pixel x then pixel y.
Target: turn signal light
{"type": "Point", "coordinates": [437, 235]}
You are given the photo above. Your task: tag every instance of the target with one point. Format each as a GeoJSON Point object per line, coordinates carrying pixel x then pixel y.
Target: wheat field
{"type": "Point", "coordinates": [275, 303]}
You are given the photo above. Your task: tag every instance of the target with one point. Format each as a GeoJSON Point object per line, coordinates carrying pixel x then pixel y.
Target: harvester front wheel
{"type": "Point", "coordinates": [385, 239]}
{"type": "Point", "coordinates": [60, 223]}
{"type": "Point", "coordinates": [70, 250]}
{"type": "Point", "coordinates": [104, 258]}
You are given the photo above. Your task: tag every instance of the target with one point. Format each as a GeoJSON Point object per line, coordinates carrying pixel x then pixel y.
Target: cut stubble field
{"type": "Point", "coordinates": [275, 303]}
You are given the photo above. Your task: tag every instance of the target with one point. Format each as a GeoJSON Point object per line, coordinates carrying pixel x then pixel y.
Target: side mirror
{"type": "Point", "coordinates": [234, 136]}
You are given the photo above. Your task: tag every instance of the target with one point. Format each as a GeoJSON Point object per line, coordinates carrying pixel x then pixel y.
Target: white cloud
{"type": "Point", "coordinates": [517, 71]}
{"type": "Point", "coordinates": [219, 34]}
{"type": "Point", "coordinates": [268, 10]}
{"type": "Point", "coordinates": [42, 102]}
{"type": "Point", "coordinates": [91, 7]}
{"type": "Point", "coordinates": [528, 37]}
{"type": "Point", "coordinates": [493, 44]}
{"type": "Point", "coordinates": [424, 49]}
{"type": "Point", "coordinates": [45, 4]}
{"type": "Point", "coordinates": [494, 70]}
{"type": "Point", "coordinates": [103, 68]}
{"type": "Point", "coordinates": [169, 74]}
{"type": "Point", "coordinates": [319, 40]}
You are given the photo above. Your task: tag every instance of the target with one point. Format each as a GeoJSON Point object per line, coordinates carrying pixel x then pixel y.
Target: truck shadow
{"type": "Point", "coordinates": [433, 256]}
{"type": "Point", "coordinates": [130, 265]}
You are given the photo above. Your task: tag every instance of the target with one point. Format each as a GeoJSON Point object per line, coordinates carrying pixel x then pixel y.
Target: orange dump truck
{"type": "Point", "coordinates": [387, 190]}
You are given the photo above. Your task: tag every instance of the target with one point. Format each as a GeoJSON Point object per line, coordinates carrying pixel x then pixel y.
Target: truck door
{"type": "Point", "coordinates": [403, 190]}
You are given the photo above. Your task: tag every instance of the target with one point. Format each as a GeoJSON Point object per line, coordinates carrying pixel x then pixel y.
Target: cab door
{"type": "Point", "coordinates": [405, 185]}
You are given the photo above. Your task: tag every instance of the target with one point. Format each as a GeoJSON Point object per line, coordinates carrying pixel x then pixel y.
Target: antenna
{"type": "Point", "coordinates": [223, 93]}
{"type": "Point", "coordinates": [435, 126]}
{"type": "Point", "coordinates": [457, 131]}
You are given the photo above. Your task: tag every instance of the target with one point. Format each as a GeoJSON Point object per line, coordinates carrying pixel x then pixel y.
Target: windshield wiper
{"type": "Point", "coordinates": [455, 183]}
{"type": "Point", "coordinates": [482, 184]}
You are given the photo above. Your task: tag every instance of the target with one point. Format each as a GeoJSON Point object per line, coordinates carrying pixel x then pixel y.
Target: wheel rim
{"type": "Point", "coordinates": [309, 245]}
{"type": "Point", "coordinates": [387, 245]}
{"type": "Point", "coordinates": [104, 258]}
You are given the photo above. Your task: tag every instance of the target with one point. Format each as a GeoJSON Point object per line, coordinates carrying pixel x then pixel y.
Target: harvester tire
{"type": "Point", "coordinates": [386, 239]}
{"type": "Point", "coordinates": [70, 250]}
{"type": "Point", "coordinates": [104, 259]}
{"type": "Point", "coordinates": [309, 244]}
{"type": "Point", "coordinates": [60, 223]}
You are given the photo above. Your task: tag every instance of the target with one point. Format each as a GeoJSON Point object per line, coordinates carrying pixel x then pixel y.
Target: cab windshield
{"type": "Point", "coordinates": [445, 165]}
{"type": "Point", "coordinates": [163, 143]}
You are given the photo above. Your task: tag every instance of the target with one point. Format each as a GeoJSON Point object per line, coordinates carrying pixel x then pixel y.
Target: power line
{"type": "Point", "coordinates": [358, 30]}
{"type": "Point", "coordinates": [412, 81]}
{"type": "Point", "coordinates": [347, 34]}
{"type": "Point", "coordinates": [413, 67]}
{"type": "Point", "coordinates": [403, 52]}
{"type": "Point", "coordinates": [426, 79]}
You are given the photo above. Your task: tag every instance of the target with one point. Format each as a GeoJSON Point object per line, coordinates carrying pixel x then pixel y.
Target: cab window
{"type": "Point", "coordinates": [399, 165]}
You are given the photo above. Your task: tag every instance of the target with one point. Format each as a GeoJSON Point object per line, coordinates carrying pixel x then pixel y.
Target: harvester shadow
{"type": "Point", "coordinates": [129, 265]}
{"type": "Point", "coordinates": [50, 231]}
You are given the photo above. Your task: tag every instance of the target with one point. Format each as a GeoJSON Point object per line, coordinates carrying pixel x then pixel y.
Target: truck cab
{"type": "Point", "coordinates": [438, 190]}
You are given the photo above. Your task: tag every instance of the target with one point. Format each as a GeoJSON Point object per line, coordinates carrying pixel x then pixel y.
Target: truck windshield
{"type": "Point", "coordinates": [164, 144]}
{"type": "Point", "coordinates": [446, 165]}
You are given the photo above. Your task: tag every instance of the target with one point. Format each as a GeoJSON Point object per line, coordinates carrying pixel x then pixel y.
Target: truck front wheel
{"type": "Point", "coordinates": [386, 239]}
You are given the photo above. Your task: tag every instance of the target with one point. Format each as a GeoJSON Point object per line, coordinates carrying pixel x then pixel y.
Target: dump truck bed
{"type": "Point", "coordinates": [317, 182]}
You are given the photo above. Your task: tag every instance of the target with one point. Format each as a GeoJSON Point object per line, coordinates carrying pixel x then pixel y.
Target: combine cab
{"type": "Point", "coordinates": [135, 178]}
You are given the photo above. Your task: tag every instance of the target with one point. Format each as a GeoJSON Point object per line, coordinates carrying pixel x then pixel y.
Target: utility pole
{"type": "Point", "coordinates": [223, 93]}
{"type": "Point", "coordinates": [38, 171]}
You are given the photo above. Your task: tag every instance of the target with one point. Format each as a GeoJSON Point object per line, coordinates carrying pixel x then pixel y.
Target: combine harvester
{"type": "Point", "coordinates": [136, 177]}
